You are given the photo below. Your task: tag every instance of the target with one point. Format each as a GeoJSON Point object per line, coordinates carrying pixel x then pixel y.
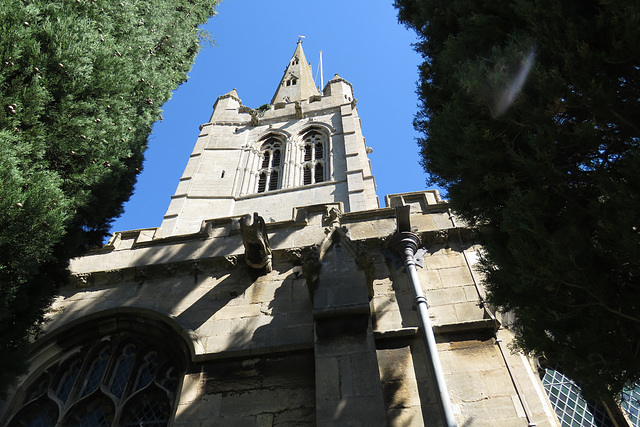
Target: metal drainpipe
{"type": "Point", "coordinates": [405, 243]}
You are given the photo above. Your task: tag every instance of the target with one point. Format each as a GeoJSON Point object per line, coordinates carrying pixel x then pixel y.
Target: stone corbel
{"type": "Point", "coordinates": [256, 242]}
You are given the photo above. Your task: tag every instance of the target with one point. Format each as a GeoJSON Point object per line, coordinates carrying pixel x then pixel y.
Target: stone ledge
{"type": "Point", "coordinates": [475, 325]}
{"type": "Point", "coordinates": [251, 352]}
{"type": "Point", "coordinates": [396, 333]}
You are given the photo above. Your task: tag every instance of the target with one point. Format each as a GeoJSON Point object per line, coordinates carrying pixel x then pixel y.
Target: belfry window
{"type": "Point", "coordinates": [120, 380]}
{"type": "Point", "coordinates": [314, 145]}
{"type": "Point", "coordinates": [269, 174]}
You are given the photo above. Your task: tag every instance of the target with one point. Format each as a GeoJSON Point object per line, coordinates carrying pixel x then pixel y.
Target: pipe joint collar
{"type": "Point", "coordinates": [400, 242]}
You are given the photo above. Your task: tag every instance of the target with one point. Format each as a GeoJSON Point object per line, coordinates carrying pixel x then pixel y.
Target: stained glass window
{"type": "Point", "coordinates": [122, 370]}
{"type": "Point", "coordinates": [122, 380]}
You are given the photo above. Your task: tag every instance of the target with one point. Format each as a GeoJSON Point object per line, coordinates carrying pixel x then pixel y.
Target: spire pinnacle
{"type": "Point", "coordinates": [297, 82]}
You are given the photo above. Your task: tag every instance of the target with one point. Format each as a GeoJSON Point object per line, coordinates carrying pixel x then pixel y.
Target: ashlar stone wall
{"type": "Point", "coordinates": [330, 336]}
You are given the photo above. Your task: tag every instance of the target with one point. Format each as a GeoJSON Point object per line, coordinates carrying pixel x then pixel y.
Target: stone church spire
{"type": "Point", "coordinates": [297, 82]}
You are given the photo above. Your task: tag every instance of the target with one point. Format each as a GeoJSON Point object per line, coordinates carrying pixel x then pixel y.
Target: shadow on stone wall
{"type": "Point", "coordinates": [257, 387]}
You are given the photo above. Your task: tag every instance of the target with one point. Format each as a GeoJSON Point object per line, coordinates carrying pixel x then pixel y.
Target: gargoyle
{"type": "Point", "coordinates": [255, 121]}
{"type": "Point", "coordinates": [298, 108]}
{"type": "Point", "coordinates": [256, 242]}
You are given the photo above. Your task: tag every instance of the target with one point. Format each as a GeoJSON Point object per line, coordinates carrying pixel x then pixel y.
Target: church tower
{"type": "Point", "coordinates": [277, 293]}
{"type": "Point", "coordinates": [303, 148]}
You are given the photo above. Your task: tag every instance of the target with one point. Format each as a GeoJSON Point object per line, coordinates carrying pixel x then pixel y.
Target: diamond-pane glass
{"type": "Point", "coordinates": [569, 405]}
{"type": "Point", "coordinates": [95, 417]}
{"type": "Point", "coordinates": [631, 405]}
{"type": "Point", "coordinates": [152, 413]}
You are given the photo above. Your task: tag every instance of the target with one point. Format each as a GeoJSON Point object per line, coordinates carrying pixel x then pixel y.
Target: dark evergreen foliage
{"type": "Point", "coordinates": [530, 120]}
{"type": "Point", "coordinates": [81, 83]}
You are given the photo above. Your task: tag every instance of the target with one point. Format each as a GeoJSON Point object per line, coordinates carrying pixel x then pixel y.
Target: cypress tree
{"type": "Point", "coordinates": [81, 83]}
{"type": "Point", "coordinates": [529, 119]}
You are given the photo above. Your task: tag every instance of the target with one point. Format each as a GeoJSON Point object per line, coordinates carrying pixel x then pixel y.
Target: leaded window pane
{"type": "Point", "coordinates": [631, 404]}
{"type": "Point", "coordinates": [569, 405]}
{"type": "Point", "coordinates": [129, 377]}
{"type": "Point", "coordinates": [96, 371]}
{"type": "Point", "coordinates": [67, 380]}
{"type": "Point", "coordinates": [152, 411]}
{"type": "Point", "coordinates": [147, 371]}
{"type": "Point", "coordinates": [170, 380]}
{"type": "Point", "coordinates": [122, 371]}
{"type": "Point", "coordinates": [98, 413]}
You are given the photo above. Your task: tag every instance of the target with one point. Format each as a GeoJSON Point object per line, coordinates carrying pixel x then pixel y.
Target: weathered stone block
{"type": "Point", "coordinates": [445, 296]}
{"type": "Point", "coordinates": [191, 388]}
{"type": "Point", "coordinates": [490, 408]}
{"type": "Point", "coordinates": [456, 276]}
{"type": "Point", "coordinates": [443, 259]}
{"type": "Point", "coordinates": [327, 378]}
{"type": "Point", "coordinates": [209, 406]}
{"type": "Point", "coordinates": [215, 328]}
{"type": "Point", "coordinates": [443, 314]}
{"type": "Point", "coordinates": [234, 312]}
{"type": "Point", "coordinates": [468, 311]}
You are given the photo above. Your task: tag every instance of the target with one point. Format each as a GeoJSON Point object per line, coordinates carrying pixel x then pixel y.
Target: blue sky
{"type": "Point", "coordinates": [254, 40]}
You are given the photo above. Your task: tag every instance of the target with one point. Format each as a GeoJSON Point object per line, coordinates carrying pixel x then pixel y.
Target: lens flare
{"type": "Point", "coordinates": [510, 93]}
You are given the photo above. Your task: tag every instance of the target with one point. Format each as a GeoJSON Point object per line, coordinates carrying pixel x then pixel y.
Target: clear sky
{"type": "Point", "coordinates": [361, 40]}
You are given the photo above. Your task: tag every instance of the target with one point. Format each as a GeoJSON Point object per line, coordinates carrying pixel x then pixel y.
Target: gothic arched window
{"type": "Point", "coordinates": [269, 174]}
{"type": "Point", "coordinates": [123, 379]}
{"type": "Point", "coordinates": [314, 145]}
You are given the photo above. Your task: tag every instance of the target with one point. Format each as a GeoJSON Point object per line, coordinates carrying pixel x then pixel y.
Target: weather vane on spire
{"type": "Point", "coordinates": [300, 38]}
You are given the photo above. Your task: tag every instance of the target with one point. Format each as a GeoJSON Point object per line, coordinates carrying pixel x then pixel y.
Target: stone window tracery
{"type": "Point", "coordinates": [270, 172]}
{"type": "Point", "coordinates": [314, 145]}
{"type": "Point", "coordinates": [122, 380]}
